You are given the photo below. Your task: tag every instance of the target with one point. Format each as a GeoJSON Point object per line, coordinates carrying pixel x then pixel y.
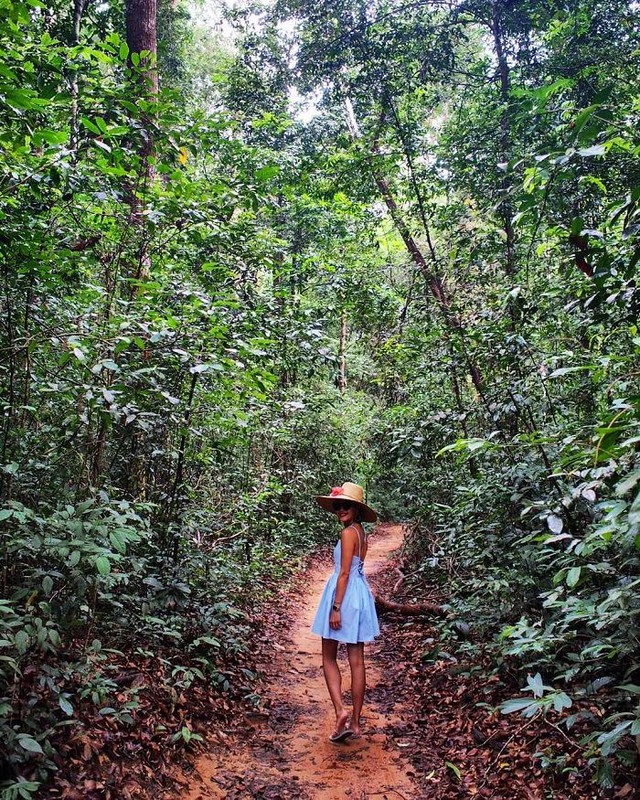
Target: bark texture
{"type": "Point", "coordinates": [142, 37]}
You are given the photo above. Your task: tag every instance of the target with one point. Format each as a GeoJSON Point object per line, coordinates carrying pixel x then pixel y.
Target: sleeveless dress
{"type": "Point", "coordinates": [359, 621]}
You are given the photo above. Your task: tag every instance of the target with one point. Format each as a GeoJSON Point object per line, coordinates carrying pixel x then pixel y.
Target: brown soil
{"type": "Point", "coordinates": [286, 752]}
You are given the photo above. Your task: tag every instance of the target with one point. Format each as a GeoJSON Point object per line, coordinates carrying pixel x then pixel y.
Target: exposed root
{"type": "Point", "coordinates": [412, 610]}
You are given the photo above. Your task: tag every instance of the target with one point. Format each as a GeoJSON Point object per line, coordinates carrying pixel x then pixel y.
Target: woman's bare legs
{"type": "Point", "coordinates": [355, 653]}
{"type": "Point", "coordinates": [334, 682]}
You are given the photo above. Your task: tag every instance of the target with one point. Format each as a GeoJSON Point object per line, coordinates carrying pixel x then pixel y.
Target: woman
{"type": "Point", "coordinates": [347, 611]}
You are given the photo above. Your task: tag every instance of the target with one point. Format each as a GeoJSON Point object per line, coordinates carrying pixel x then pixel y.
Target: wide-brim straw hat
{"type": "Point", "coordinates": [351, 492]}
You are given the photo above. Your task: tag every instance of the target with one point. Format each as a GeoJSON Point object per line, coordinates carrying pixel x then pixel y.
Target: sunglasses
{"type": "Point", "coordinates": [342, 505]}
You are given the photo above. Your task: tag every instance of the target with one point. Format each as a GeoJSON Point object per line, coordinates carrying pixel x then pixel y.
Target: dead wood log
{"type": "Point", "coordinates": [409, 610]}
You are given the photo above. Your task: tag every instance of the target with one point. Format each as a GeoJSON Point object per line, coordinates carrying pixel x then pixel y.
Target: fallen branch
{"type": "Point", "coordinates": [398, 583]}
{"type": "Point", "coordinates": [504, 747]}
{"type": "Point", "coordinates": [403, 577]}
{"type": "Point", "coordinates": [410, 610]}
{"type": "Point", "coordinates": [572, 742]}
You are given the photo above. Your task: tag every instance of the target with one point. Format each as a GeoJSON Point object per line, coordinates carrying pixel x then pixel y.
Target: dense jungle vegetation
{"type": "Point", "coordinates": [247, 260]}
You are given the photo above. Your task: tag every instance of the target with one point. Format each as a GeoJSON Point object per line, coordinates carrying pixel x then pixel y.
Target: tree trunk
{"type": "Point", "coordinates": [142, 38]}
{"type": "Point", "coordinates": [78, 10]}
{"type": "Point", "coordinates": [342, 355]}
{"type": "Point", "coordinates": [9, 389]}
{"type": "Point", "coordinates": [433, 281]}
{"type": "Point", "coordinates": [506, 208]}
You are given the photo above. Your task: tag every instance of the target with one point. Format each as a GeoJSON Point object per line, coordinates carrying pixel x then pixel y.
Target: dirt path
{"type": "Point", "coordinates": [288, 754]}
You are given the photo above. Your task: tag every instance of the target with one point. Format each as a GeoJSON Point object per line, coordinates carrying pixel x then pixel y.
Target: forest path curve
{"type": "Point", "coordinates": [288, 754]}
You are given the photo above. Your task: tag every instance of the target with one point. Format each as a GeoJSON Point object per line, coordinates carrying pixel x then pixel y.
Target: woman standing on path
{"type": "Point", "coordinates": [347, 612]}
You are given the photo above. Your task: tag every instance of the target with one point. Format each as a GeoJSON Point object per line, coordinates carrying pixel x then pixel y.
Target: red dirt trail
{"type": "Point", "coordinates": [287, 754]}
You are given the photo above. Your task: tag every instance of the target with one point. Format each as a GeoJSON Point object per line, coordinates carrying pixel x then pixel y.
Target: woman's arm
{"type": "Point", "coordinates": [348, 541]}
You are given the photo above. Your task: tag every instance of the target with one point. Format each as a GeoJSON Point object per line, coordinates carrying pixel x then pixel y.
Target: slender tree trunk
{"type": "Point", "coordinates": [473, 469]}
{"type": "Point", "coordinates": [142, 38]}
{"type": "Point", "coordinates": [281, 298]}
{"type": "Point", "coordinates": [98, 446]}
{"type": "Point", "coordinates": [342, 354]}
{"type": "Point", "coordinates": [506, 207]}
{"type": "Point", "coordinates": [10, 378]}
{"type": "Point", "coordinates": [26, 389]}
{"type": "Point", "coordinates": [174, 498]}
{"type": "Point", "coordinates": [407, 150]}
{"type": "Point", "coordinates": [432, 279]}
{"type": "Point", "coordinates": [78, 10]}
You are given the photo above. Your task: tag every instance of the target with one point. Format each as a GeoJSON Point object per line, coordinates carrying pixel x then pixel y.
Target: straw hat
{"type": "Point", "coordinates": [348, 491]}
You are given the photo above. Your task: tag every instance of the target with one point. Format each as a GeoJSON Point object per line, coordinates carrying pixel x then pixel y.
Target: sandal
{"type": "Point", "coordinates": [342, 736]}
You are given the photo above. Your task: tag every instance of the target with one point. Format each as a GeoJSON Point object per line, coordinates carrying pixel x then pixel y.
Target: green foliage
{"type": "Point", "coordinates": [175, 272]}
{"type": "Point", "coordinates": [510, 417]}
{"type": "Point", "coordinates": [168, 394]}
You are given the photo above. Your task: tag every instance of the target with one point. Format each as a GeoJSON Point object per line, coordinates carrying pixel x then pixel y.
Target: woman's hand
{"type": "Point", "coordinates": [334, 620]}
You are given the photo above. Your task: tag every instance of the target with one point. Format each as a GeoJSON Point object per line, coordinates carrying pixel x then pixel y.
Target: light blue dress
{"type": "Point", "coordinates": [359, 621]}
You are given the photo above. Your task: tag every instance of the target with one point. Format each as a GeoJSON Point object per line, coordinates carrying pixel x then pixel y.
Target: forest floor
{"type": "Point", "coordinates": [431, 728]}
{"type": "Point", "coordinates": [286, 752]}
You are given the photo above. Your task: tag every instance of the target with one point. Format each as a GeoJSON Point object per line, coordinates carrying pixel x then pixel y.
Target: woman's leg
{"type": "Point", "coordinates": [358, 683]}
{"type": "Point", "coordinates": [334, 682]}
